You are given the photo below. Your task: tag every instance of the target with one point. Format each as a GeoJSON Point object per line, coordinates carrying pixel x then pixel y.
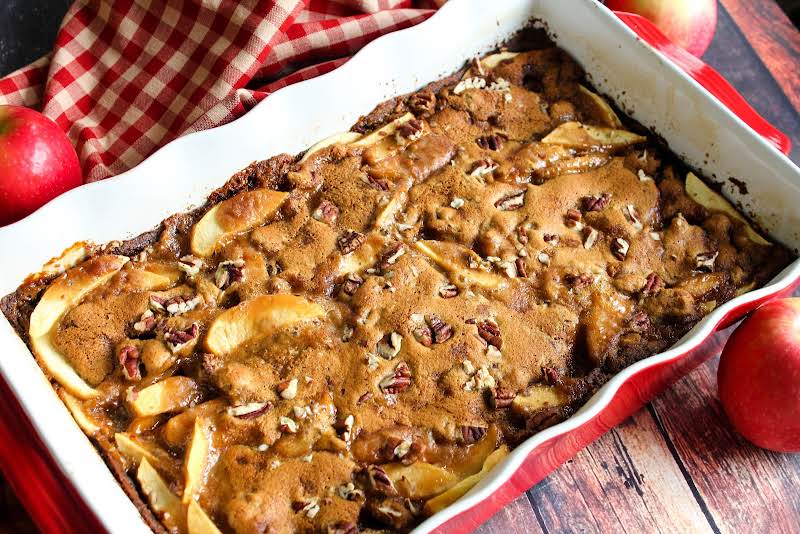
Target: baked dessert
{"type": "Point", "coordinates": [349, 340]}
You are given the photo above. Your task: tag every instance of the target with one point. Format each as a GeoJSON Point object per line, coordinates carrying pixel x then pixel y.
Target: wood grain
{"type": "Point", "coordinates": [773, 37]}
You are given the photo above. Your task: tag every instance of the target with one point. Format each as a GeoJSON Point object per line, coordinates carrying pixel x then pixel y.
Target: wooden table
{"type": "Point", "coordinates": [676, 465]}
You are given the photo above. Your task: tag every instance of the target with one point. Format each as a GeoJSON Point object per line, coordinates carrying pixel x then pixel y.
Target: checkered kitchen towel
{"type": "Point", "coordinates": [128, 76]}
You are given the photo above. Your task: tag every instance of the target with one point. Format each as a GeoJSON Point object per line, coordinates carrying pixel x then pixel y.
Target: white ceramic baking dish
{"type": "Point", "coordinates": [652, 89]}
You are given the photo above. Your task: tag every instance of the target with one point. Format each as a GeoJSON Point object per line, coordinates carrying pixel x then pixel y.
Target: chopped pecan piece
{"type": "Point", "coordinates": [640, 321]}
{"type": "Point", "coordinates": [287, 425]}
{"type": "Point", "coordinates": [490, 332]}
{"type": "Point", "coordinates": [482, 167]}
{"type": "Point", "coordinates": [551, 239]}
{"type": "Point", "coordinates": [422, 103]}
{"type": "Point", "coordinates": [545, 417]}
{"type": "Point", "coordinates": [350, 241]}
{"type": "Point", "coordinates": [378, 183]}
{"type": "Point", "coordinates": [129, 361]}
{"type": "Point", "coordinates": [392, 255]}
{"type": "Point", "coordinates": [490, 142]}
{"type": "Point", "coordinates": [705, 261]}
{"type": "Point", "coordinates": [522, 235]}
{"type": "Point", "coordinates": [501, 398]}
{"type": "Point", "coordinates": [364, 398]}
{"type": "Point", "coordinates": [590, 238]}
{"type": "Point", "coordinates": [351, 284]}
{"type": "Point", "coordinates": [619, 248]}
{"type": "Point", "coordinates": [448, 291]}
{"type": "Point", "coordinates": [177, 305]}
{"type": "Point", "coordinates": [522, 267]}
{"type": "Point", "coordinates": [423, 334]}
{"type": "Point", "coordinates": [441, 330]}
{"type": "Point", "coordinates": [652, 285]}
{"type": "Point", "coordinates": [190, 265]}
{"type": "Point", "coordinates": [411, 130]}
{"type": "Point", "coordinates": [389, 346]}
{"type": "Point", "coordinates": [287, 389]}
{"type": "Point", "coordinates": [470, 434]}
{"type": "Point", "coordinates": [378, 481]}
{"type": "Point", "coordinates": [511, 202]}
{"type": "Point", "coordinates": [476, 82]}
{"type": "Point", "coordinates": [577, 281]}
{"type": "Point", "coordinates": [343, 527]}
{"type": "Point", "coordinates": [326, 212]}
{"type": "Point", "coordinates": [595, 203]}
{"type": "Point", "coordinates": [309, 508]}
{"type": "Point", "coordinates": [573, 219]}
{"type": "Point", "coordinates": [633, 216]}
{"type": "Point", "coordinates": [177, 339]}
{"type": "Point", "coordinates": [250, 410]}
{"type": "Point", "coordinates": [398, 381]}
{"type": "Point", "coordinates": [228, 273]}
{"type": "Point", "coordinates": [146, 323]}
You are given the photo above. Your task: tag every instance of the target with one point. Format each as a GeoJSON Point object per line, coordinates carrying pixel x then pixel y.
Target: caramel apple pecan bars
{"type": "Point", "coordinates": [349, 340]}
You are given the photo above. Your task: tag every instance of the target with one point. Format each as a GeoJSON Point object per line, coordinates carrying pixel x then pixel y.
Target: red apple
{"type": "Point", "coordinates": [37, 162]}
{"type": "Point", "coordinates": [688, 23]}
{"type": "Point", "coordinates": [759, 376]}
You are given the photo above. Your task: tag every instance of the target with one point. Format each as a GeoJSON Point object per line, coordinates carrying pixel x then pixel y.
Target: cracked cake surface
{"type": "Point", "coordinates": [349, 340]}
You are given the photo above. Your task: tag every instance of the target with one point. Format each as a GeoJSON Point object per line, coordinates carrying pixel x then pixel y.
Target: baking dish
{"type": "Point", "coordinates": [702, 131]}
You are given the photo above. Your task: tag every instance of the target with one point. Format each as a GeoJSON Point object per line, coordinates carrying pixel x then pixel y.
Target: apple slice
{"type": "Point", "coordinates": [538, 397]}
{"type": "Point", "coordinates": [198, 521]}
{"type": "Point", "coordinates": [493, 60]}
{"type": "Point", "coordinates": [84, 420]}
{"type": "Point", "coordinates": [602, 108]}
{"type": "Point", "coordinates": [168, 395]}
{"type": "Point", "coordinates": [154, 277]}
{"type": "Point", "coordinates": [713, 201]}
{"type": "Point", "coordinates": [387, 214]}
{"type": "Point", "coordinates": [197, 461]}
{"type": "Point", "coordinates": [240, 213]}
{"type": "Point", "coordinates": [444, 254]}
{"type": "Point", "coordinates": [420, 480]}
{"type": "Point", "coordinates": [178, 428]}
{"type": "Point", "coordinates": [577, 135]}
{"type": "Point", "coordinates": [258, 318]}
{"type": "Point", "coordinates": [65, 293]}
{"type": "Point", "coordinates": [162, 501]}
{"type": "Point", "coordinates": [134, 450]}
{"type": "Point", "coordinates": [383, 143]}
{"type": "Point", "coordinates": [456, 492]}
{"type": "Point", "coordinates": [341, 138]}
{"type": "Point", "coordinates": [364, 257]}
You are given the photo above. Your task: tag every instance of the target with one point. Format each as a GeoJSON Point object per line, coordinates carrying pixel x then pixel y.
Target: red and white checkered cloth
{"type": "Point", "coordinates": [127, 77]}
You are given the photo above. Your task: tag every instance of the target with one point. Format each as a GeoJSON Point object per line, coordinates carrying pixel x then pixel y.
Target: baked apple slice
{"type": "Point", "coordinates": [258, 318]}
{"type": "Point", "coordinates": [341, 138]}
{"type": "Point", "coordinates": [177, 429]}
{"type": "Point", "coordinates": [168, 395]}
{"type": "Point", "coordinates": [63, 294]}
{"type": "Point", "coordinates": [538, 397]}
{"type": "Point", "coordinates": [387, 213]}
{"type": "Point", "coordinates": [134, 450]}
{"type": "Point", "coordinates": [455, 259]}
{"type": "Point", "coordinates": [81, 416]}
{"type": "Point", "coordinates": [713, 201]}
{"type": "Point", "coordinates": [601, 109]}
{"type": "Point", "coordinates": [238, 214]}
{"type": "Point", "coordinates": [162, 501]}
{"type": "Point", "coordinates": [457, 491]}
{"type": "Point", "coordinates": [420, 480]}
{"type": "Point", "coordinates": [197, 461]}
{"type": "Point", "coordinates": [391, 138]}
{"type": "Point", "coordinates": [584, 136]}
{"type": "Point", "coordinates": [198, 521]}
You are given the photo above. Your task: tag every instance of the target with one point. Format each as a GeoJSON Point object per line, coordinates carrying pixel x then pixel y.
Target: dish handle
{"type": "Point", "coordinates": [706, 76]}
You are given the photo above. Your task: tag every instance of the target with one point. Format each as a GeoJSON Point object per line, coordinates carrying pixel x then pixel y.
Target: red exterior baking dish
{"type": "Point", "coordinates": [60, 499]}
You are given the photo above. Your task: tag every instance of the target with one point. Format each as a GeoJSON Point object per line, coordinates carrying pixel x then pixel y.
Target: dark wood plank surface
{"type": "Point", "coordinates": [676, 465]}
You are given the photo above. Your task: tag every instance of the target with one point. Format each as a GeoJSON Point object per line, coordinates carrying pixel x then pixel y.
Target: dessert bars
{"type": "Point", "coordinates": [349, 340]}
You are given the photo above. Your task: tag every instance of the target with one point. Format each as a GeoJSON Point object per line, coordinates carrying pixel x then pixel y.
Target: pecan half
{"type": "Point", "coordinates": [176, 339]}
{"type": "Point", "coordinates": [398, 381]}
{"type": "Point", "coordinates": [511, 202]}
{"type": "Point", "coordinates": [441, 330]}
{"type": "Point", "coordinates": [422, 103]}
{"type": "Point", "coordinates": [652, 285]}
{"type": "Point", "coordinates": [595, 203]}
{"type": "Point", "coordinates": [423, 334]}
{"type": "Point", "coordinates": [501, 398]}
{"type": "Point", "coordinates": [490, 332]}
{"type": "Point", "coordinates": [129, 361]}
{"type": "Point", "coordinates": [470, 434]}
{"type": "Point", "coordinates": [619, 248]}
{"type": "Point", "coordinates": [490, 142]}
{"type": "Point", "coordinates": [228, 273]}
{"type": "Point", "coordinates": [350, 241]}
{"type": "Point", "coordinates": [326, 212]}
